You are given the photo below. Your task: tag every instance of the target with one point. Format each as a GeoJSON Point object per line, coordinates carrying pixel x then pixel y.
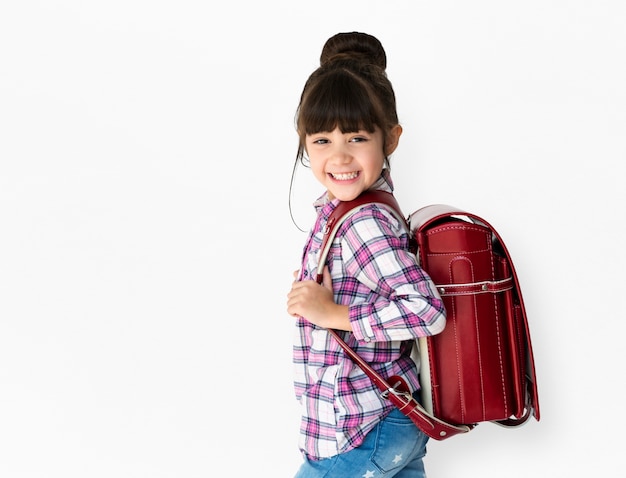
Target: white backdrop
{"type": "Point", "coordinates": [146, 246]}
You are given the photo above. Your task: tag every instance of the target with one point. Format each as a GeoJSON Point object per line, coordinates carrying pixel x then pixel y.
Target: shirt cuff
{"type": "Point", "coordinates": [361, 327]}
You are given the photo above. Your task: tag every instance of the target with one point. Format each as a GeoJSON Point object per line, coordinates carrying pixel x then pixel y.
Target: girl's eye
{"type": "Point", "coordinates": [320, 141]}
{"type": "Point", "coordinates": [358, 139]}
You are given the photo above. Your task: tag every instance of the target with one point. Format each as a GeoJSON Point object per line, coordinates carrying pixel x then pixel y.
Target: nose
{"type": "Point", "coordinates": [340, 154]}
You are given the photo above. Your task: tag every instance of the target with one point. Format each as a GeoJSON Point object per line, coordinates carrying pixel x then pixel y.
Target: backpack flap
{"type": "Point", "coordinates": [481, 367]}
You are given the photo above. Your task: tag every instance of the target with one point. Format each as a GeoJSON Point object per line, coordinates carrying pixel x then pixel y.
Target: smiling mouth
{"type": "Point", "coordinates": [344, 176]}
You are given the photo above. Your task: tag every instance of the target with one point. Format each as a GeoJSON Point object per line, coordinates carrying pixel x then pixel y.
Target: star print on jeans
{"type": "Point", "coordinates": [397, 459]}
{"type": "Point", "coordinates": [368, 474]}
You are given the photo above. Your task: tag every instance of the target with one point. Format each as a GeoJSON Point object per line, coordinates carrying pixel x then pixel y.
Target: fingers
{"type": "Point", "coordinates": [306, 296]}
{"type": "Point", "coordinates": [301, 297]}
{"type": "Point", "coordinates": [292, 299]}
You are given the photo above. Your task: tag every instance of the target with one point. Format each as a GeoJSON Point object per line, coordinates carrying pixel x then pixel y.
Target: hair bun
{"type": "Point", "coordinates": [356, 46]}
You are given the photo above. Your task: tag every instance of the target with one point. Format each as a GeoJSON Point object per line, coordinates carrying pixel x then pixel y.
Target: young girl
{"type": "Point", "coordinates": [373, 288]}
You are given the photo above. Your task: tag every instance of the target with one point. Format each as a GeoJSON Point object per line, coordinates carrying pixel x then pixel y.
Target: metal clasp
{"type": "Point", "coordinates": [394, 391]}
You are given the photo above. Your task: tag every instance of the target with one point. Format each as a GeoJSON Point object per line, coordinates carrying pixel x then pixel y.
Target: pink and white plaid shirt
{"type": "Point", "coordinates": [391, 301]}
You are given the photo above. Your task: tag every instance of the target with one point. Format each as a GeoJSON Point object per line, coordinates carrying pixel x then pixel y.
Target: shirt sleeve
{"type": "Point", "coordinates": [397, 298]}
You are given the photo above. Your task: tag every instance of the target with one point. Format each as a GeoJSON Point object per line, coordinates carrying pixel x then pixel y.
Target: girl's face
{"type": "Point", "coordinates": [347, 164]}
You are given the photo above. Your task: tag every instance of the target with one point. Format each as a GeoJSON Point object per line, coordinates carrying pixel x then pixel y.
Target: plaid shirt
{"type": "Point", "coordinates": [391, 302]}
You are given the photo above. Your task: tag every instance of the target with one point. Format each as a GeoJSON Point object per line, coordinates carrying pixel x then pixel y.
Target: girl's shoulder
{"type": "Point", "coordinates": [372, 220]}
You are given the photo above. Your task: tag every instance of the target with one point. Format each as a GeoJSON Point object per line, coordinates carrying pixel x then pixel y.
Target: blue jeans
{"type": "Point", "coordinates": [395, 447]}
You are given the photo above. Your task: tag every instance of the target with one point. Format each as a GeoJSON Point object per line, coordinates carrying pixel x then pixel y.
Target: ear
{"type": "Point", "coordinates": [392, 139]}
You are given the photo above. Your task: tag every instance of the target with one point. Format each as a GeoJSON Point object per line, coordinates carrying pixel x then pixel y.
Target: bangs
{"type": "Point", "coordinates": [341, 101]}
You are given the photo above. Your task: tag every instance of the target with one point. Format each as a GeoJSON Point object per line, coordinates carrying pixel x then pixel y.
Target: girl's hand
{"type": "Point", "coordinates": [315, 303]}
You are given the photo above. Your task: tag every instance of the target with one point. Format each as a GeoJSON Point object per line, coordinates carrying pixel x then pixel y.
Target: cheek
{"type": "Point", "coordinates": [376, 163]}
{"type": "Point", "coordinates": [317, 167]}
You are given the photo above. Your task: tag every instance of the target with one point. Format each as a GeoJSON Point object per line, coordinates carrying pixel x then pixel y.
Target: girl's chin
{"type": "Point", "coordinates": [345, 195]}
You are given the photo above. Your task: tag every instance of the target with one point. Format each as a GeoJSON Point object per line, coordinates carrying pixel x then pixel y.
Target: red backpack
{"type": "Point", "coordinates": [480, 368]}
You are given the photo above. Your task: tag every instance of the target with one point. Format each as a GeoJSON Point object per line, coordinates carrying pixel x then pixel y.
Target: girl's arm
{"type": "Point", "coordinates": [400, 300]}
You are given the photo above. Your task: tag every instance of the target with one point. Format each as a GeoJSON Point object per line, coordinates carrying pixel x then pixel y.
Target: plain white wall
{"type": "Point", "coordinates": [146, 247]}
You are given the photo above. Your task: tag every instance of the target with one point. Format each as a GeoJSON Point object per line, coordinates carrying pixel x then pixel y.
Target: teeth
{"type": "Point", "coordinates": [344, 176]}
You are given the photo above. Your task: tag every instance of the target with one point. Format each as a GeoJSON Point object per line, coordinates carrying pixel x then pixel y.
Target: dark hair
{"type": "Point", "coordinates": [350, 90]}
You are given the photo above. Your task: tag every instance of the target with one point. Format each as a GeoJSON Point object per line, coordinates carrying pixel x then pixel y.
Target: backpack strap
{"type": "Point", "coordinates": [345, 209]}
{"type": "Point", "coordinates": [395, 388]}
